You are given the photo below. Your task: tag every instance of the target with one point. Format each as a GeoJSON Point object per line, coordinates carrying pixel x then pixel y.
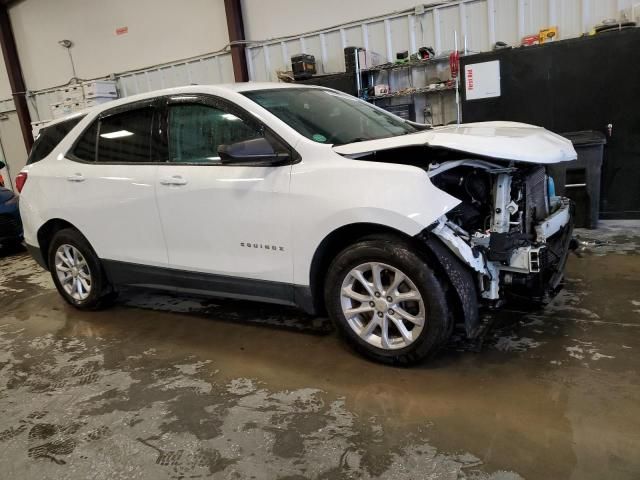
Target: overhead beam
{"type": "Point", "coordinates": [14, 71]}
{"type": "Point", "coordinates": [235, 26]}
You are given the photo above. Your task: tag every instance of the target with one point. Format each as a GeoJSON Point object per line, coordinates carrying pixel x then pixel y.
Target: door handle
{"type": "Point", "coordinates": [175, 180]}
{"type": "Point", "coordinates": [76, 177]}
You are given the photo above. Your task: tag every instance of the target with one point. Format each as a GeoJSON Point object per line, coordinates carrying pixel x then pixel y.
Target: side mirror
{"type": "Point", "coordinates": [257, 151]}
{"type": "Point", "coordinates": [2, 164]}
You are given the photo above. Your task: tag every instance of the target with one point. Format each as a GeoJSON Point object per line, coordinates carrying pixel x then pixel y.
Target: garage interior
{"type": "Point", "coordinates": [176, 386]}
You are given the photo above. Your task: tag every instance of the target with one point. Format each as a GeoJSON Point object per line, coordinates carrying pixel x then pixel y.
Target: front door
{"type": "Point", "coordinates": [222, 219]}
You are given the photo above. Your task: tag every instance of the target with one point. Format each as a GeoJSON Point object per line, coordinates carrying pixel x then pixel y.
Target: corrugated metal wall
{"type": "Point", "coordinates": [207, 69]}
{"type": "Point", "coordinates": [482, 22]}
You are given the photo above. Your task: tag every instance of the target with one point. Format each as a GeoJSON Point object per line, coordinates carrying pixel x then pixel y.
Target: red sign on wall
{"type": "Point", "coordinates": [122, 30]}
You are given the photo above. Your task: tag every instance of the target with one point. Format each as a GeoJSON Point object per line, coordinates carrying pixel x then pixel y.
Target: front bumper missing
{"type": "Point", "coordinates": [528, 265]}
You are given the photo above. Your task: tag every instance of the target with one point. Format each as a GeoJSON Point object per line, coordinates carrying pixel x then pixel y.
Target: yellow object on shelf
{"type": "Point", "coordinates": [548, 34]}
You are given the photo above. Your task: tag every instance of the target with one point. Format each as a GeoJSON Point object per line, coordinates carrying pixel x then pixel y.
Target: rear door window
{"type": "Point", "coordinates": [50, 137]}
{"type": "Point", "coordinates": [85, 149]}
{"type": "Point", "coordinates": [126, 137]}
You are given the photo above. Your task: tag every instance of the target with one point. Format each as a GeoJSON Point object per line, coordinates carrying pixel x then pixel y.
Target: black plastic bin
{"type": "Point", "coordinates": [580, 179]}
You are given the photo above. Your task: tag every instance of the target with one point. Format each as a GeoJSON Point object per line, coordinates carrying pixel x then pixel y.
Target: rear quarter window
{"type": "Point", "coordinates": [50, 137]}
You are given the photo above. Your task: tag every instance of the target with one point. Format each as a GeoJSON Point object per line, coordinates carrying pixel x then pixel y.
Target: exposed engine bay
{"type": "Point", "coordinates": [510, 228]}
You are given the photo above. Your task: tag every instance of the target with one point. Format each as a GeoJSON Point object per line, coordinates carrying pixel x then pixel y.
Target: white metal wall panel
{"type": "Point", "coordinates": [477, 31]}
{"type": "Point", "coordinates": [425, 26]}
{"type": "Point", "coordinates": [536, 15]}
{"type": "Point", "coordinates": [353, 36]}
{"type": "Point", "coordinates": [569, 15]}
{"type": "Point", "coordinates": [506, 21]}
{"type": "Point", "coordinates": [7, 105]}
{"type": "Point", "coordinates": [450, 23]}
{"type": "Point", "coordinates": [400, 35]}
{"type": "Point", "coordinates": [209, 69]}
{"type": "Point", "coordinates": [484, 22]}
{"type": "Point", "coordinates": [377, 41]}
{"type": "Point", "coordinates": [335, 59]}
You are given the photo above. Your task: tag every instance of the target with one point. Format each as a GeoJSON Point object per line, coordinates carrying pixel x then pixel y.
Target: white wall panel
{"type": "Point", "coordinates": [266, 19]}
{"type": "Point", "coordinates": [569, 14]}
{"type": "Point", "coordinates": [483, 21]}
{"type": "Point", "coordinates": [536, 13]}
{"type": "Point", "coordinates": [399, 28]}
{"type": "Point", "coordinates": [377, 39]}
{"type": "Point", "coordinates": [450, 23]}
{"type": "Point", "coordinates": [424, 24]}
{"type": "Point", "coordinates": [506, 21]}
{"type": "Point", "coordinates": [477, 30]}
{"type": "Point", "coordinates": [161, 31]}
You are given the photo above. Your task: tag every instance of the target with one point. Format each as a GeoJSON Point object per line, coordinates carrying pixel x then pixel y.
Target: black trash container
{"type": "Point", "coordinates": [580, 179]}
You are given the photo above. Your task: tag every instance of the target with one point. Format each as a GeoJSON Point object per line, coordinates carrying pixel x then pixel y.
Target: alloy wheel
{"type": "Point", "coordinates": [382, 305]}
{"type": "Point", "coordinates": [73, 272]}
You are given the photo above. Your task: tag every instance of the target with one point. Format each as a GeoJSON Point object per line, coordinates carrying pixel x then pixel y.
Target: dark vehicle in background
{"type": "Point", "coordinates": [10, 224]}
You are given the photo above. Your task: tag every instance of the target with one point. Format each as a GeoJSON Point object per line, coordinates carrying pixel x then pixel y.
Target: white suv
{"type": "Point", "coordinates": [299, 196]}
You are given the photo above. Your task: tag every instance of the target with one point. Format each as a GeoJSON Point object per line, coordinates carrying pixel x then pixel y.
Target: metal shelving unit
{"type": "Point", "coordinates": [414, 91]}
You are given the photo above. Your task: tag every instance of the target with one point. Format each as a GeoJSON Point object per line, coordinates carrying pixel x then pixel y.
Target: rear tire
{"type": "Point", "coordinates": [402, 295]}
{"type": "Point", "coordinates": [77, 272]}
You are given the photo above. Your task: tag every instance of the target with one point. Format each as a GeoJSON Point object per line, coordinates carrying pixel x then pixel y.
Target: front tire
{"type": "Point", "coordinates": [77, 272]}
{"type": "Point", "coordinates": [387, 302]}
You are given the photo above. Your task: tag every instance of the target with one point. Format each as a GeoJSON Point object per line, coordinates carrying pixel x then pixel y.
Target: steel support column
{"type": "Point", "coordinates": [235, 26]}
{"type": "Point", "coordinates": [14, 71]}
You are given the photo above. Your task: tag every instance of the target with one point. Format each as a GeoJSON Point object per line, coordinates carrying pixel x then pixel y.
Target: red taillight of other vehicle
{"type": "Point", "coordinates": [21, 179]}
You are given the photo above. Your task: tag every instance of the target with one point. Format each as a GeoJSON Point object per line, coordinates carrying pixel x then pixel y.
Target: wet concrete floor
{"type": "Point", "coordinates": [162, 386]}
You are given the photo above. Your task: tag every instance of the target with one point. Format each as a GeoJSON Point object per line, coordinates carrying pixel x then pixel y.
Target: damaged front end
{"type": "Point", "coordinates": [509, 237]}
{"type": "Point", "coordinates": [510, 229]}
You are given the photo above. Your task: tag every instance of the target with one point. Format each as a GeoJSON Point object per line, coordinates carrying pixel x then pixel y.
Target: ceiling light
{"type": "Point", "coordinates": [117, 134]}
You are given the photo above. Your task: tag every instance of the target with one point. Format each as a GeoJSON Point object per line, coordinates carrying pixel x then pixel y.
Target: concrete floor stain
{"type": "Point", "coordinates": [163, 386]}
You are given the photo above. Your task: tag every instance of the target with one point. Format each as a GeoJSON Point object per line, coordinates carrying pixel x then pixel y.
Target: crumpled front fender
{"type": "Point", "coordinates": [460, 277]}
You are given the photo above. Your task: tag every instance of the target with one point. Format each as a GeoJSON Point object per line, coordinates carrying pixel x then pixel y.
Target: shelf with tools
{"type": "Point", "coordinates": [418, 90]}
{"type": "Point", "coordinates": [405, 65]}
{"type": "Point", "coordinates": [414, 91]}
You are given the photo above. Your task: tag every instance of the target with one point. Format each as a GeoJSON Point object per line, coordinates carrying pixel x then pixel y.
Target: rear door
{"type": "Point", "coordinates": [106, 185]}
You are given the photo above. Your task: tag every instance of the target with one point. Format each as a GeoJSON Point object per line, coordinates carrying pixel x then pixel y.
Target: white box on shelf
{"type": "Point", "coordinates": [380, 89]}
{"type": "Point", "coordinates": [71, 106]}
{"type": "Point", "coordinates": [72, 92]}
{"type": "Point", "coordinates": [100, 88]}
{"type": "Point", "coordinates": [92, 102]}
{"type": "Point", "coordinates": [61, 109]}
{"type": "Point", "coordinates": [57, 110]}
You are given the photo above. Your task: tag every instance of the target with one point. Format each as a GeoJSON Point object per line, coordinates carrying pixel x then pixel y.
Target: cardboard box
{"type": "Point", "coordinates": [100, 88]}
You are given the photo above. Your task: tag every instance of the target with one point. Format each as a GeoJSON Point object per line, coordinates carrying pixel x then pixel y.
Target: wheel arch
{"type": "Point", "coordinates": [46, 233]}
{"type": "Point", "coordinates": [331, 245]}
{"type": "Point", "coordinates": [462, 295]}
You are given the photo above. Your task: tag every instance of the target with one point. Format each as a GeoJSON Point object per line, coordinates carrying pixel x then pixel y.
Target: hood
{"type": "Point", "coordinates": [501, 140]}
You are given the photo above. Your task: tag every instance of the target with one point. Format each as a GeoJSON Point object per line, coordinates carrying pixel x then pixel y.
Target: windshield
{"type": "Point", "coordinates": [329, 117]}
